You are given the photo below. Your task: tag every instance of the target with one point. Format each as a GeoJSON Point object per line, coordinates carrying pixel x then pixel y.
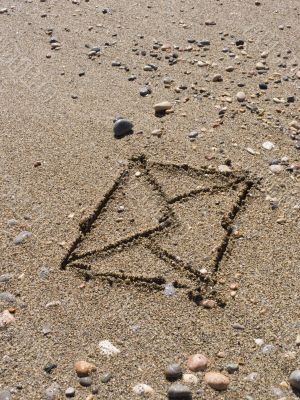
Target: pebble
{"type": "Point", "coordinates": [53, 392]}
{"type": "Point", "coordinates": [6, 318]}
{"type": "Point", "coordinates": [144, 91]}
{"type": "Point", "coordinates": [232, 368]}
{"type": "Point", "coordinates": [106, 377]}
{"type": "Point", "coordinates": [169, 289]}
{"type": "Point", "coordinates": [122, 127]}
{"type": "Point", "coordinates": [276, 169]}
{"type": "Point", "coordinates": [224, 168]}
{"type": "Point", "coordinates": [173, 372]}
{"type": "Point", "coordinates": [7, 297]}
{"type": "Point", "coordinates": [5, 395]}
{"type": "Point", "coordinates": [143, 390]}
{"type": "Point", "coordinates": [193, 134]}
{"type": "Point", "coordinates": [217, 78]}
{"type": "Point", "coordinates": [84, 368]}
{"type": "Point", "coordinates": [268, 145]}
{"type": "Point", "coordinates": [162, 107]}
{"type": "Point", "coordinates": [5, 278]}
{"type": "Point", "coordinates": [241, 97]}
{"type": "Point", "coordinates": [22, 237]}
{"type": "Point", "coordinates": [197, 362]}
{"type": "Point", "coordinates": [70, 392]}
{"type": "Point", "coordinates": [179, 392]}
{"type": "Point", "coordinates": [108, 348]}
{"type": "Point", "coordinates": [294, 379]}
{"type": "Point", "coordinates": [216, 380]}
{"type": "Point", "coordinates": [85, 381]}
{"type": "Point", "coordinates": [190, 379]}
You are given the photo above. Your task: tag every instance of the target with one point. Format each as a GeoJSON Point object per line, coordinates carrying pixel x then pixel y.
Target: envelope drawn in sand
{"type": "Point", "coordinates": [160, 223]}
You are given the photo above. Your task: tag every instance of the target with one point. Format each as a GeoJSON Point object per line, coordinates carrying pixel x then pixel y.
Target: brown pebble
{"type": "Point", "coordinates": [84, 368]}
{"type": "Point", "coordinates": [197, 362]}
{"type": "Point", "coordinates": [216, 380]}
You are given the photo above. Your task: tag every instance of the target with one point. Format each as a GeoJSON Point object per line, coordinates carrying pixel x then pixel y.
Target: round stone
{"type": "Point", "coordinates": [179, 392]}
{"type": "Point", "coordinates": [70, 392]}
{"type": "Point", "coordinates": [85, 381]}
{"type": "Point", "coordinates": [22, 237]}
{"type": "Point", "coordinates": [122, 127]}
{"type": "Point", "coordinates": [190, 379]}
{"type": "Point", "coordinates": [241, 97]}
{"type": "Point", "coordinates": [216, 380]}
{"type": "Point", "coordinates": [217, 78]}
{"type": "Point", "coordinates": [173, 372]}
{"type": "Point", "coordinates": [144, 91]}
{"type": "Point", "coordinates": [294, 379]}
{"type": "Point", "coordinates": [162, 107]}
{"type": "Point", "coordinates": [84, 368]}
{"type": "Point", "coordinates": [143, 390]}
{"type": "Point", "coordinates": [197, 362]}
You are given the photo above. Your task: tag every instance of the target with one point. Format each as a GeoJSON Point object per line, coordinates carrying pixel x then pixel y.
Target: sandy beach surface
{"type": "Point", "coordinates": [179, 238]}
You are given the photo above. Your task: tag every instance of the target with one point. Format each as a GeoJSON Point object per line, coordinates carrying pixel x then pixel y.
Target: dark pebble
{"type": "Point", "coordinates": [49, 367]}
{"type": "Point", "coordinates": [122, 127]}
{"type": "Point", "coordinates": [173, 372]}
{"type": "Point", "coordinates": [144, 91]}
{"type": "Point", "coordinates": [179, 392]}
{"type": "Point", "coordinates": [263, 86]}
{"type": "Point", "coordinates": [85, 381]}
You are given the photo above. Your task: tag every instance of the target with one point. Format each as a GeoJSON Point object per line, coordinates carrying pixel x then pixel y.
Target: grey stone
{"type": "Point", "coordinates": [106, 377]}
{"type": "Point", "coordinates": [22, 237]}
{"type": "Point", "coordinates": [52, 392]}
{"type": "Point", "coordinates": [85, 381]}
{"type": "Point", "coordinates": [144, 91]}
{"type": "Point", "coordinates": [294, 379]}
{"type": "Point", "coordinates": [122, 127]}
{"type": "Point", "coordinates": [7, 297]}
{"type": "Point", "coordinates": [179, 392]}
{"type": "Point", "coordinates": [173, 372]}
{"type": "Point", "coordinates": [5, 395]}
{"type": "Point", "coordinates": [5, 278]}
{"type": "Point", "coordinates": [169, 290]}
{"type": "Point", "coordinates": [232, 368]}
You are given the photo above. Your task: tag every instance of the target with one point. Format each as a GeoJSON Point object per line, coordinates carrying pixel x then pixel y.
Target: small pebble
{"type": "Point", "coordinates": [241, 97]}
{"type": "Point", "coordinates": [294, 379]}
{"type": "Point", "coordinates": [143, 390]}
{"type": "Point", "coordinates": [190, 379]}
{"type": "Point", "coordinates": [162, 107]}
{"type": "Point", "coordinates": [232, 368]}
{"type": "Point", "coordinates": [6, 318]}
{"type": "Point", "coordinates": [217, 78]}
{"type": "Point", "coordinates": [106, 377]}
{"type": "Point", "coordinates": [179, 392]}
{"type": "Point", "coordinates": [268, 145]}
{"type": "Point", "coordinates": [173, 372]}
{"type": "Point", "coordinates": [7, 297]}
{"type": "Point", "coordinates": [84, 368]}
{"type": "Point", "coordinates": [108, 348]}
{"type": "Point", "coordinates": [169, 289]}
{"type": "Point", "coordinates": [85, 381]}
{"type": "Point", "coordinates": [197, 362]}
{"type": "Point", "coordinates": [122, 127]}
{"type": "Point", "coordinates": [216, 380]}
{"type": "Point", "coordinates": [5, 395]}
{"type": "Point", "coordinates": [70, 392]}
{"type": "Point", "coordinates": [22, 237]}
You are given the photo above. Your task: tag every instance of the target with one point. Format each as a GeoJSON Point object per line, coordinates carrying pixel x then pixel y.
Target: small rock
{"type": "Point", "coordinates": [70, 392]}
{"type": "Point", "coordinates": [3, 10]}
{"type": "Point", "coordinates": [22, 237]}
{"type": "Point", "coordinates": [122, 127]}
{"type": "Point", "coordinates": [197, 362]}
{"type": "Point", "coordinates": [108, 348]}
{"type": "Point", "coordinates": [143, 390]}
{"type": "Point", "coordinates": [85, 381]}
{"type": "Point", "coordinates": [224, 168]}
{"type": "Point", "coordinates": [179, 392]}
{"type": "Point", "coordinates": [84, 368]}
{"type": "Point", "coordinates": [106, 377]}
{"type": "Point", "coordinates": [162, 107]}
{"type": "Point", "coordinates": [53, 392]}
{"type": "Point", "coordinates": [5, 278]}
{"type": "Point", "coordinates": [190, 379]}
{"type": "Point", "coordinates": [294, 379]}
{"type": "Point", "coordinates": [268, 145]}
{"type": "Point", "coordinates": [144, 91]}
{"type": "Point", "coordinates": [6, 318]}
{"type": "Point", "coordinates": [173, 372]}
{"type": "Point", "coordinates": [193, 134]}
{"type": "Point", "coordinates": [7, 297]}
{"type": "Point", "coordinates": [217, 78]}
{"type": "Point", "coordinates": [241, 97]}
{"type": "Point", "coordinates": [169, 290]}
{"type": "Point", "coordinates": [216, 380]}
{"type": "Point", "coordinates": [276, 169]}
{"type": "Point", "coordinates": [232, 368]}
